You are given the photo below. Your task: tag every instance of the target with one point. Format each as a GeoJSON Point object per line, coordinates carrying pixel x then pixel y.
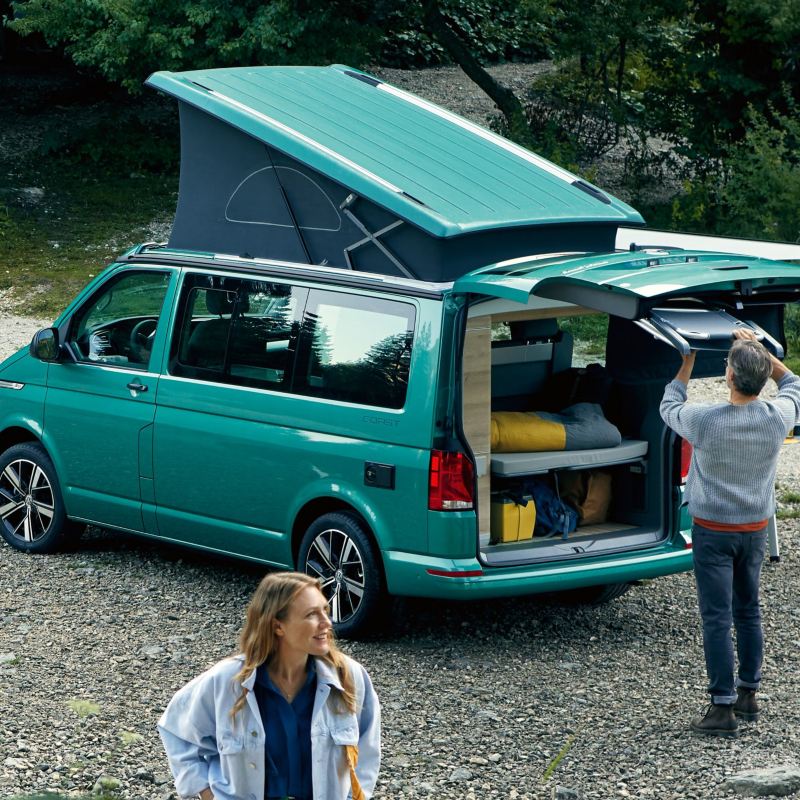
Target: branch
{"type": "Point", "coordinates": [503, 97]}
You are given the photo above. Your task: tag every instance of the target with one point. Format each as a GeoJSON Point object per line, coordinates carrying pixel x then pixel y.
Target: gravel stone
{"type": "Point", "coordinates": [780, 781]}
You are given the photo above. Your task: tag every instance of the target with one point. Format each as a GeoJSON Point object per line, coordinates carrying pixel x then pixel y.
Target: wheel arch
{"type": "Point", "coordinates": [16, 434]}
{"type": "Point", "coordinates": [325, 505]}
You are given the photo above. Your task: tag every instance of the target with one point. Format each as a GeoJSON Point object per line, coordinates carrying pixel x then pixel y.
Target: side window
{"type": "Point", "coordinates": [118, 323]}
{"type": "Point", "coordinates": [355, 349]}
{"type": "Point", "coordinates": [237, 331]}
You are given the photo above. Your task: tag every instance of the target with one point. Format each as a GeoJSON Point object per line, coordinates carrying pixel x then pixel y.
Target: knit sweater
{"type": "Point", "coordinates": [735, 450]}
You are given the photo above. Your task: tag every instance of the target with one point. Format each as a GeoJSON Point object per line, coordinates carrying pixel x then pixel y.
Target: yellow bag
{"type": "Point", "coordinates": [525, 432]}
{"type": "Point", "coordinates": [511, 521]}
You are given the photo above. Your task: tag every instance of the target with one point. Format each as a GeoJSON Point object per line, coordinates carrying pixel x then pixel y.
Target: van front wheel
{"type": "Point", "coordinates": [32, 515]}
{"type": "Point", "coordinates": [338, 551]}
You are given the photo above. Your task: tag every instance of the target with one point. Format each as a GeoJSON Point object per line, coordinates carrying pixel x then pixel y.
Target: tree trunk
{"type": "Point", "coordinates": [503, 97]}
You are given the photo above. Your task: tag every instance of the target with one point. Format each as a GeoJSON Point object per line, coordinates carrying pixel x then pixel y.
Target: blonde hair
{"type": "Point", "coordinates": [258, 643]}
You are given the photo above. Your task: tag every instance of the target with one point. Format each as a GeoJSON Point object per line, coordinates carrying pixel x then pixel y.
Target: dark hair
{"type": "Point", "coordinates": [751, 366]}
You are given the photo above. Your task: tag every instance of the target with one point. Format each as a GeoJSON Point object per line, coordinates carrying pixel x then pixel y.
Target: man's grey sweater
{"type": "Point", "coordinates": [735, 450]}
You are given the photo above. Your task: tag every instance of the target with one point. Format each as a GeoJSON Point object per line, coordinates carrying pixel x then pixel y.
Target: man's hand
{"type": "Point", "coordinates": [685, 372]}
{"type": "Point", "coordinates": [745, 333]}
{"type": "Point", "coordinates": [206, 794]}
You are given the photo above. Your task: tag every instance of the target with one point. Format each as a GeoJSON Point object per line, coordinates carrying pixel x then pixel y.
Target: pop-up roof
{"type": "Point", "coordinates": [330, 165]}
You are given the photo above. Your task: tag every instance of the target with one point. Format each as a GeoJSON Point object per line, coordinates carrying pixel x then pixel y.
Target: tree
{"type": "Point", "coordinates": [723, 56]}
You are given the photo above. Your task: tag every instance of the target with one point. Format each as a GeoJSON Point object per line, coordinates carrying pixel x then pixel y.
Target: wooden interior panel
{"type": "Point", "coordinates": [477, 391]}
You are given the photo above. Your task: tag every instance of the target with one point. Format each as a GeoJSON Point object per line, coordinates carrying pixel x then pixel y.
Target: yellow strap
{"type": "Point", "coordinates": [351, 753]}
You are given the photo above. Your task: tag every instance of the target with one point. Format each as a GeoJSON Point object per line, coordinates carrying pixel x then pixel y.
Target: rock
{"type": "Point", "coordinates": [460, 774]}
{"type": "Point", "coordinates": [7, 658]}
{"type": "Point", "coordinates": [563, 793]}
{"type": "Point", "coordinates": [144, 775]}
{"type": "Point", "coordinates": [780, 780]}
{"type": "Point", "coordinates": [31, 195]}
{"type": "Point", "coordinates": [151, 650]}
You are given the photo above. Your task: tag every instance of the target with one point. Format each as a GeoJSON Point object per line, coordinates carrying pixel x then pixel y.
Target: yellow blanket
{"type": "Point", "coordinates": [524, 432]}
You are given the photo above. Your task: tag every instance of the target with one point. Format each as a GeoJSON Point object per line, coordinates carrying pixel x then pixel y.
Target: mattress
{"type": "Point", "coordinates": [531, 463]}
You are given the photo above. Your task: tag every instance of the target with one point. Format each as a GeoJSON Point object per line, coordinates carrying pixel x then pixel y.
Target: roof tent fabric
{"type": "Point", "coordinates": [318, 165]}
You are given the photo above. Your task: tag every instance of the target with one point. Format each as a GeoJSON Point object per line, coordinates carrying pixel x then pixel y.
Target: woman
{"type": "Point", "coordinates": [289, 717]}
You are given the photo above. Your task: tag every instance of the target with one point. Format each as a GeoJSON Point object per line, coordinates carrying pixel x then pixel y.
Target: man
{"type": "Point", "coordinates": [730, 491]}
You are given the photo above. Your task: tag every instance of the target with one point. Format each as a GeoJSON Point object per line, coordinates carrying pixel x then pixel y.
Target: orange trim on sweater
{"type": "Point", "coordinates": [726, 526]}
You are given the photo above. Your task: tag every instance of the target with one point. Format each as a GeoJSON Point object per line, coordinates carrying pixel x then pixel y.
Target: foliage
{"type": "Point", "coordinates": [593, 100]}
{"type": "Point", "coordinates": [126, 40]}
{"type": "Point", "coordinates": [755, 189]}
{"type": "Point", "coordinates": [589, 329]}
{"type": "Point", "coordinates": [118, 138]}
{"type": "Point", "coordinates": [719, 58]}
{"type": "Point", "coordinates": [496, 30]}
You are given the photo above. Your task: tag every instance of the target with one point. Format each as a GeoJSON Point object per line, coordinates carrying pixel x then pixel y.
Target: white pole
{"type": "Point", "coordinates": [772, 540]}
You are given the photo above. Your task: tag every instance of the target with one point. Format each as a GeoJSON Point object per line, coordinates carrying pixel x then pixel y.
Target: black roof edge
{"type": "Point", "coordinates": [360, 76]}
{"type": "Point", "coordinates": [378, 283]}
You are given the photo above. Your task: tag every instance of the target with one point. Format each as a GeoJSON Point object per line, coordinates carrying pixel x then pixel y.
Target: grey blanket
{"type": "Point", "coordinates": [586, 427]}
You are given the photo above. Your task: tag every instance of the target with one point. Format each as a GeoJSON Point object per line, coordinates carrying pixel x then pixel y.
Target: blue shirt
{"type": "Point", "coordinates": [288, 735]}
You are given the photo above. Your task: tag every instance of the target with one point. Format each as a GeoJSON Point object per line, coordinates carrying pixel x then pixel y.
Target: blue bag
{"type": "Point", "coordinates": [554, 517]}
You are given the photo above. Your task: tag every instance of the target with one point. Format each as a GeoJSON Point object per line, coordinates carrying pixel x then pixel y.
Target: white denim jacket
{"type": "Point", "coordinates": [205, 747]}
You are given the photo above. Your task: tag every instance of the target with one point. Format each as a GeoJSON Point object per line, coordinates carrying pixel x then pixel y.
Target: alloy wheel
{"type": "Point", "coordinates": [335, 559]}
{"type": "Point", "coordinates": [27, 502]}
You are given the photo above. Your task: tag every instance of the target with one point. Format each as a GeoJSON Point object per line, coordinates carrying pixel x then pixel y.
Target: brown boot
{"type": "Point", "coordinates": [717, 721]}
{"type": "Point", "coordinates": [746, 706]}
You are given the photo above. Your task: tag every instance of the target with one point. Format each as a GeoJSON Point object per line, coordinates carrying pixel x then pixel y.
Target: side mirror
{"type": "Point", "coordinates": [45, 346]}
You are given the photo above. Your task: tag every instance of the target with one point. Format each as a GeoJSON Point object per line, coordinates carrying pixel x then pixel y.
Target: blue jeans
{"type": "Point", "coordinates": [727, 569]}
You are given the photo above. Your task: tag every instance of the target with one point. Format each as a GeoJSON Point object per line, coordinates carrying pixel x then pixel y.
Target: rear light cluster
{"type": "Point", "coordinates": [451, 482]}
{"type": "Point", "coordinates": [686, 459]}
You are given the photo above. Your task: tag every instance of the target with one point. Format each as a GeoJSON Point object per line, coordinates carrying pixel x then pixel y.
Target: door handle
{"type": "Point", "coordinates": [137, 386]}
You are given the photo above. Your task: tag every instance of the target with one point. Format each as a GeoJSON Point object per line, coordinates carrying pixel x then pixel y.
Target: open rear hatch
{"type": "Point", "coordinates": [687, 300]}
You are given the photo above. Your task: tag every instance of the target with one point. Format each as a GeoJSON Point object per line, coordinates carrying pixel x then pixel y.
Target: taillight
{"type": "Point", "coordinates": [686, 459]}
{"type": "Point", "coordinates": [451, 481]}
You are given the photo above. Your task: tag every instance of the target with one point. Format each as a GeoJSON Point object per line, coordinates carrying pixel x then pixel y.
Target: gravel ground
{"type": "Point", "coordinates": [479, 699]}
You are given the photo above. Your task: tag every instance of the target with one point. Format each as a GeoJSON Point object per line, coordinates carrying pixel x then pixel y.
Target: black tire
{"type": "Point", "coordinates": [594, 595]}
{"type": "Point", "coordinates": [32, 516]}
{"type": "Point", "coordinates": [338, 549]}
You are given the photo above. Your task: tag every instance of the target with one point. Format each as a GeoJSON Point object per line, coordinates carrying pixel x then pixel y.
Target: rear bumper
{"type": "Point", "coordinates": [407, 574]}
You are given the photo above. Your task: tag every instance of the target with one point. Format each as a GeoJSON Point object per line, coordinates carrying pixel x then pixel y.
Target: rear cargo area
{"type": "Point", "coordinates": [542, 428]}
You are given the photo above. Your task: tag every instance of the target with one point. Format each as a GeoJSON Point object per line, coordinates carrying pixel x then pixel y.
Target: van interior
{"type": "Point", "coordinates": [520, 359]}
{"type": "Point", "coordinates": [515, 361]}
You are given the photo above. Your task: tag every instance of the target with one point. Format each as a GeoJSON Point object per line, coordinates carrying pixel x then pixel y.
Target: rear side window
{"type": "Point", "coordinates": [355, 349]}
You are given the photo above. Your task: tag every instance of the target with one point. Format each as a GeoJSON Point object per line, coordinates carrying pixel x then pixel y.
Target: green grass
{"type": "Point", "coordinates": [83, 708]}
{"type": "Point", "coordinates": [51, 249]}
{"type": "Point", "coordinates": [790, 500]}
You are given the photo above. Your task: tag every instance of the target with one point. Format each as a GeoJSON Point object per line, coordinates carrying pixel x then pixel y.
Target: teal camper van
{"type": "Point", "coordinates": [349, 358]}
